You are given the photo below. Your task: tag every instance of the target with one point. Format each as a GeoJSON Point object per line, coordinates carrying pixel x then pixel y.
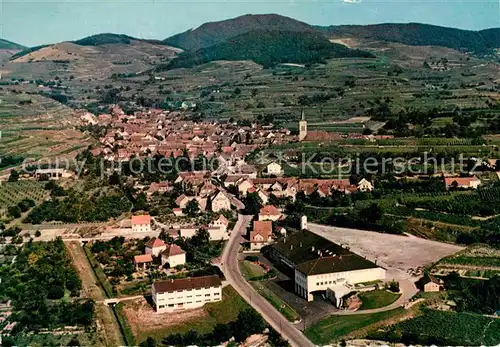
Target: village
{"type": "Point", "coordinates": [235, 215]}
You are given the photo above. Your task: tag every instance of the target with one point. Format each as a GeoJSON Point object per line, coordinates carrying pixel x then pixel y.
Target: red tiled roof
{"type": "Point", "coordinates": [140, 220]}
{"type": "Point", "coordinates": [269, 210]}
{"type": "Point", "coordinates": [172, 249]}
{"type": "Point", "coordinates": [155, 242]}
{"type": "Point", "coordinates": [461, 181]}
{"type": "Point", "coordinates": [264, 228]}
{"type": "Point", "coordinates": [143, 258]}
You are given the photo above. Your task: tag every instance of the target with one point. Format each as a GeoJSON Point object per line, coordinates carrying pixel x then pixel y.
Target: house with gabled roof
{"type": "Point", "coordinates": [173, 255]}
{"type": "Point", "coordinates": [261, 235]}
{"type": "Point", "coordinates": [269, 212]}
{"type": "Point", "coordinates": [155, 246]}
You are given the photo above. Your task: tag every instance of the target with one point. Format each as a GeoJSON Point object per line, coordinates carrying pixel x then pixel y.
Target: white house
{"type": "Point", "coordinates": [155, 246]}
{"type": "Point", "coordinates": [221, 223]}
{"type": "Point", "coordinates": [244, 186]}
{"type": "Point", "coordinates": [186, 293]}
{"type": "Point", "coordinates": [365, 186]}
{"type": "Point", "coordinates": [261, 234]}
{"type": "Point", "coordinates": [173, 255]}
{"type": "Point", "coordinates": [274, 169]}
{"type": "Point", "coordinates": [141, 223]}
{"type": "Point", "coordinates": [220, 202]}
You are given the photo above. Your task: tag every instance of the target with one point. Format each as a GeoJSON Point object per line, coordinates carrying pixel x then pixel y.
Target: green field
{"type": "Point", "coordinates": [444, 328]}
{"type": "Point", "coordinates": [250, 270]}
{"type": "Point", "coordinates": [377, 298]}
{"type": "Point", "coordinates": [223, 312]}
{"type": "Point", "coordinates": [334, 328]}
{"type": "Point", "coordinates": [11, 193]}
{"type": "Point", "coordinates": [286, 310]}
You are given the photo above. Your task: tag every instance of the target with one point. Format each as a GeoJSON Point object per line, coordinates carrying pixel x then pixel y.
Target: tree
{"type": "Point", "coordinates": [192, 208]}
{"type": "Point", "coordinates": [252, 203]}
{"type": "Point", "coordinates": [14, 176]}
{"type": "Point", "coordinates": [150, 342]}
{"type": "Point", "coordinates": [14, 211]}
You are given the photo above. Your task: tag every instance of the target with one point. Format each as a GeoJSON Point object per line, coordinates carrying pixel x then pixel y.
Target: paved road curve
{"type": "Point", "coordinates": [261, 305]}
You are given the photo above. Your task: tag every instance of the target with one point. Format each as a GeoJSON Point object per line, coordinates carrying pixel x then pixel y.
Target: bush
{"type": "Point", "coordinates": [393, 286]}
{"type": "Point", "coordinates": [252, 258]}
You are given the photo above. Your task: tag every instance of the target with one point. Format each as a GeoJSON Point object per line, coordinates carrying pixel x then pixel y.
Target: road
{"type": "Point", "coordinates": [233, 276]}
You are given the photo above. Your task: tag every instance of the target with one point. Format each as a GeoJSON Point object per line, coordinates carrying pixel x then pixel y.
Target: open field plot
{"type": "Point", "coordinates": [377, 298]}
{"type": "Point", "coordinates": [11, 193]}
{"type": "Point", "coordinates": [400, 255]}
{"type": "Point", "coordinates": [444, 328]}
{"type": "Point", "coordinates": [335, 328]}
{"type": "Point", "coordinates": [480, 261]}
{"type": "Point", "coordinates": [109, 331]}
{"type": "Point", "coordinates": [37, 127]}
{"type": "Point", "coordinates": [144, 321]}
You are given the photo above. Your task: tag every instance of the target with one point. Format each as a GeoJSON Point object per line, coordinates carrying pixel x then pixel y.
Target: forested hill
{"type": "Point", "coordinates": [4, 44]}
{"type": "Point", "coordinates": [269, 48]}
{"type": "Point", "coordinates": [107, 38]}
{"type": "Point", "coordinates": [210, 34]}
{"type": "Point", "coordinates": [416, 34]}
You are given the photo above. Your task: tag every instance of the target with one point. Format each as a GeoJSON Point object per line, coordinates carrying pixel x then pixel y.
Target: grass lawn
{"type": "Point", "coordinates": [377, 298]}
{"type": "Point", "coordinates": [223, 312]}
{"type": "Point", "coordinates": [250, 270]}
{"type": "Point", "coordinates": [286, 310]}
{"type": "Point", "coordinates": [334, 328]}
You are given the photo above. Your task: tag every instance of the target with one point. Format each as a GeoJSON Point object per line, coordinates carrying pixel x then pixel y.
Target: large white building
{"type": "Point", "coordinates": [320, 266]}
{"type": "Point", "coordinates": [186, 293]}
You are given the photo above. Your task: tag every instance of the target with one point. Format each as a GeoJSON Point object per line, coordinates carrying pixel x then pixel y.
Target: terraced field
{"type": "Point", "coordinates": [33, 126]}
{"type": "Point", "coordinates": [477, 261]}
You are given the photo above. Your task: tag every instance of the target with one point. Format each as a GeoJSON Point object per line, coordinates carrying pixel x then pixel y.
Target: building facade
{"type": "Point", "coordinates": [186, 293]}
{"type": "Point", "coordinates": [141, 223]}
{"type": "Point", "coordinates": [318, 265]}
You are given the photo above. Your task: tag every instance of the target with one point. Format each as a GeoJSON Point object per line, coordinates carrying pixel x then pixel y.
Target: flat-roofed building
{"type": "Point", "coordinates": [186, 293]}
{"type": "Point", "coordinates": [319, 265]}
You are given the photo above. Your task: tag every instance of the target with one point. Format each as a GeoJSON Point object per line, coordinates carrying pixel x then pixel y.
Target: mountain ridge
{"type": "Point", "coordinates": [419, 34]}
{"type": "Point", "coordinates": [268, 48]}
{"type": "Point", "coordinates": [6, 44]}
{"type": "Point", "coordinates": [212, 33]}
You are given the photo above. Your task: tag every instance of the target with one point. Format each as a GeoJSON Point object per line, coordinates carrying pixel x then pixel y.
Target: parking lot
{"type": "Point", "coordinates": [402, 256]}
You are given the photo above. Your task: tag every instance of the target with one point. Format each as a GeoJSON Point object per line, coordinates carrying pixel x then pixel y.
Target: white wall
{"type": "Point", "coordinates": [186, 299]}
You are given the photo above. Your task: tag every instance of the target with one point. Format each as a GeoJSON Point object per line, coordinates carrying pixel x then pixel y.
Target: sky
{"type": "Point", "coordinates": [36, 22]}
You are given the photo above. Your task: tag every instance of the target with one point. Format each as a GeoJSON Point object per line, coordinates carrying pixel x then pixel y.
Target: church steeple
{"type": "Point", "coordinates": [302, 126]}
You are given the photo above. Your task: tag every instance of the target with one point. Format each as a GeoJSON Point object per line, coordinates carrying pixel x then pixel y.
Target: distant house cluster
{"type": "Point", "coordinates": [290, 186]}
{"type": "Point", "coordinates": [171, 255]}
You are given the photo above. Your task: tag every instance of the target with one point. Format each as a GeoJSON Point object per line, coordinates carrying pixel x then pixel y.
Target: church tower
{"type": "Point", "coordinates": [302, 127]}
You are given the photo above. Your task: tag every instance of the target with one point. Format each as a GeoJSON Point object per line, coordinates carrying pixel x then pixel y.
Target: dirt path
{"type": "Point", "coordinates": [468, 267]}
{"type": "Point", "coordinates": [109, 331]}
